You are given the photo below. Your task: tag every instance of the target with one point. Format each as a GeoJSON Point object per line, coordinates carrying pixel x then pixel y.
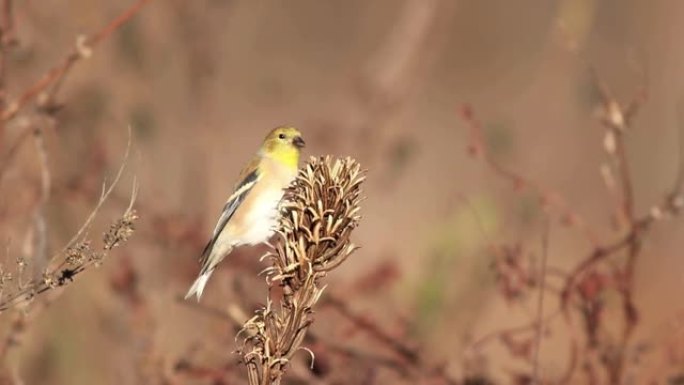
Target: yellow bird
{"type": "Point", "coordinates": [250, 215]}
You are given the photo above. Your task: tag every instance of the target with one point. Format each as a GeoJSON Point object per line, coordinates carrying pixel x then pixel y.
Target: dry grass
{"type": "Point", "coordinates": [77, 256]}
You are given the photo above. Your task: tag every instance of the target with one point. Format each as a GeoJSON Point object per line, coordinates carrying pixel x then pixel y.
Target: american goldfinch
{"type": "Point", "coordinates": [251, 212]}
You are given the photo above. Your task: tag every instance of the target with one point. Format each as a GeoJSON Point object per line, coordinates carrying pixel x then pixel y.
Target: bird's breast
{"type": "Point", "coordinates": [262, 219]}
{"type": "Point", "coordinates": [261, 205]}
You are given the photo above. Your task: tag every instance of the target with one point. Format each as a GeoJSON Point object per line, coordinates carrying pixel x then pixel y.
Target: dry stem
{"type": "Point", "coordinates": [82, 50]}
{"type": "Point", "coordinates": [78, 254]}
{"type": "Point", "coordinates": [317, 218]}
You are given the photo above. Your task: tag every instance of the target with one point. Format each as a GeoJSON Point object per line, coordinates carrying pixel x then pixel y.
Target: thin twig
{"type": "Point", "coordinates": [540, 306]}
{"type": "Point", "coordinates": [106, 191]}
{"type": "Point", "coordinates": [375, 331]}
{"type": "Point", "coordinates": [39, 231]}
{"type": "Point", "coordinates": [83, 50]}
{"type": "Point", "coordinates": [528, 327]}
{"type": "Point", "coordinates": [546, 197]}
{"type": "Point", "coordinates": [408, 354]}
{"type": "Point", "coordinates": [616, 119]}
{"type": "Point", "coordinates": [6, 41]}
{"type": "Point", "coordinates": [66, 269]}
{"type": "Point", "coordinates": [11, 154]}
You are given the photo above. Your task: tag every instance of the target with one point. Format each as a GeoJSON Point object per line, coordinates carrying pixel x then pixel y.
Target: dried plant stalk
{"type": "Point", "coordinates": [76, 257]}
{"type": "Point", "coordinates": [320, 211]}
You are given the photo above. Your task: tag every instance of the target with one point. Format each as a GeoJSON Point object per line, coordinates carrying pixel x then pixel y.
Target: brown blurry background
{"type": "Point", "coordinates": [200, 83]}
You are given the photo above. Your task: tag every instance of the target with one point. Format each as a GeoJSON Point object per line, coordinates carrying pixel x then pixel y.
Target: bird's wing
{"type": "Point", "coordinates": [248, 178]}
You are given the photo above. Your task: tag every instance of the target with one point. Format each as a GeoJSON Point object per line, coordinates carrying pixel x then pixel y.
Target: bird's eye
{"type": "Point", "coordinates": [281, 136]}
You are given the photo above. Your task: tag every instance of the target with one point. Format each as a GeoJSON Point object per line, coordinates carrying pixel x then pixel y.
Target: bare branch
{"type": "Point", "coordinates": [82, 50]}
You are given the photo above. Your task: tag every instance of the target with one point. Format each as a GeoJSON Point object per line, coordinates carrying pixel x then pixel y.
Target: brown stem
{"type": "Point", "coordinates": [81, 51]}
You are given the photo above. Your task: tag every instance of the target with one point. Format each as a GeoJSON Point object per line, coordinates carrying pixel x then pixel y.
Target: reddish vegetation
{"type": "Point", "coordinates": [85, 280]}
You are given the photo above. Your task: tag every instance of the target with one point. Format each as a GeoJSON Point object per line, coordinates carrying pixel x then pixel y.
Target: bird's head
{"type": "Point", "coordinates": [284, 145]}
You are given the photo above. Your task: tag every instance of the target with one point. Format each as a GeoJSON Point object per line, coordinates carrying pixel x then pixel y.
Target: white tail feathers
{"type": "Point", "coordinates": [211, 256]}
{"type": "Point", "coordinates": [198, 287]}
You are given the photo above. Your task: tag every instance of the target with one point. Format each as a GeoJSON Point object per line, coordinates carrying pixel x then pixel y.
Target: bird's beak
{"type": "Point", "coordinates": [298, 142]}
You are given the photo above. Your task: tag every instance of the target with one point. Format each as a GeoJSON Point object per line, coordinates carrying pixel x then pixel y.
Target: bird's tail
{"type": "Point", "coordinates": [212, 255]}
{"type": "Point", "coordinates": [198, 286]}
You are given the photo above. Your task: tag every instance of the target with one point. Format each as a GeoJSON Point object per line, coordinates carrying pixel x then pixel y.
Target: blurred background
{"type": "Point", "coordinates": [201, 82]}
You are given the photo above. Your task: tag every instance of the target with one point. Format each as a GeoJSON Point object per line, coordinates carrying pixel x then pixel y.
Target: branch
{"type": "Point", "coordinates": [82, 50]}
{"type": "Point", "coordinates": [540, 308]}
{"type": "Point", "coordinates": [78, 254]}
{"type": "Point", "coordinates": [546, 197]}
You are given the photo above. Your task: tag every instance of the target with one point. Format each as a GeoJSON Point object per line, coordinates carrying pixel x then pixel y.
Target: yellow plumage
{"type": "Point", "coordinates": [250, 215]}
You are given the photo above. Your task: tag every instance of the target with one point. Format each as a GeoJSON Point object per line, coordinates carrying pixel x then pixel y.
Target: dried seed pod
{"type": "Point", "coordinates": [317, 216]}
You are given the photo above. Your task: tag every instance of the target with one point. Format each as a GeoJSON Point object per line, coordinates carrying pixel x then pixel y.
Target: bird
{"type": "Point", "coordinates": [250, 215]}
